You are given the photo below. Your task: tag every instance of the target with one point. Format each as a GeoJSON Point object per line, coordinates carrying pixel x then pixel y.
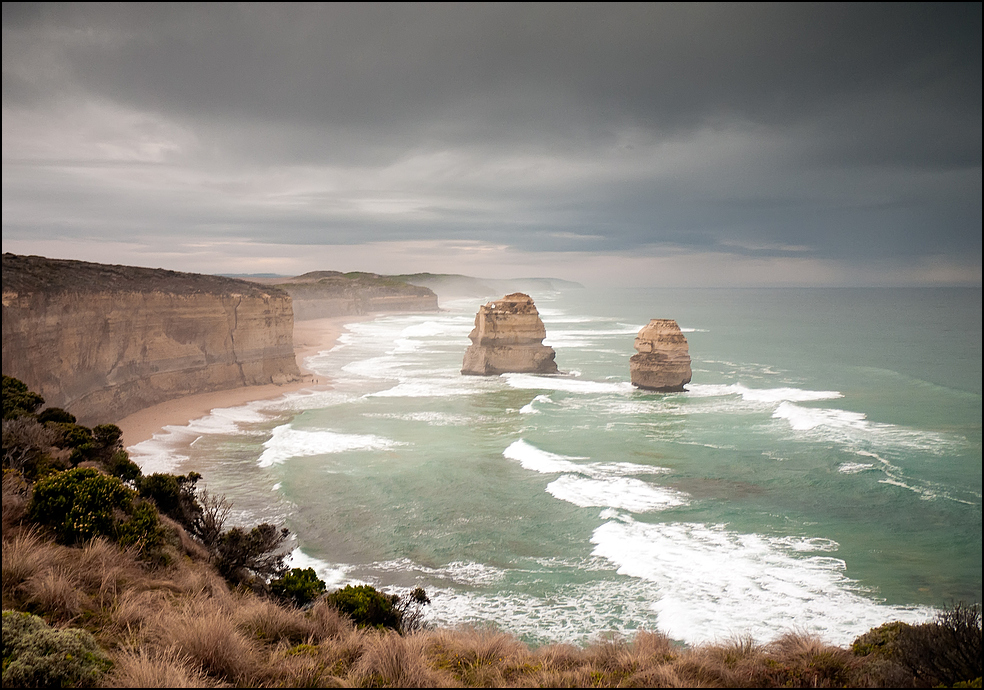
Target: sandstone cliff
{"type": "Point", "coordinates": [508, 337]}
{"type": "Point", "coordinates": [104, 341]}
{"type": "Point", "coordinates": [662, 362]}
{"type": "Point", "coordinates": [320, 294]}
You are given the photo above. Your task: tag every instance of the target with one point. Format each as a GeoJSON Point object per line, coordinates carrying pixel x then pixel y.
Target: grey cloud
{"type": "Point", "coordinates": [834, 131]}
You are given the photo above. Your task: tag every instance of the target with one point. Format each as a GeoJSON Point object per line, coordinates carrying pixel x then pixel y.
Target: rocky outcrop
{"type": "Point", "coordinates": [105, 341]}
{"type": "Point", "coordinates": [320, 294]}
{"type": "Point", "coordinates": [662, 362]}
{"type": "Point", "coordinates": [508, 338]}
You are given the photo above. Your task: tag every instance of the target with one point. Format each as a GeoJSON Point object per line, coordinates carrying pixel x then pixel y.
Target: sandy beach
{"type": "Point", "coordinates": [310, 338]}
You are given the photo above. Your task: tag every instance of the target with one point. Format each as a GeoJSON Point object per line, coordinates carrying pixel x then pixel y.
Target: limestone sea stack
{"type": "Point", "coordinates": [663, 359]}
{"type": "Point", "coordinates": [508, 338]}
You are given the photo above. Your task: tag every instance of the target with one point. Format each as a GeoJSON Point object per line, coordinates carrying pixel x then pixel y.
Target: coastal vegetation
{"type": "Point", "coordinates": [113, 578]}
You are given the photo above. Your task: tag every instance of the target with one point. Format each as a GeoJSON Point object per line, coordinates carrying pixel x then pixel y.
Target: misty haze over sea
{"type": "Point", "coordinates": [821, 473]}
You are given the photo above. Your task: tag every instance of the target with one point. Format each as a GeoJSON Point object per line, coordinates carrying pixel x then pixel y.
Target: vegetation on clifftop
{"type": "Point", "coordinates": [116, 579]}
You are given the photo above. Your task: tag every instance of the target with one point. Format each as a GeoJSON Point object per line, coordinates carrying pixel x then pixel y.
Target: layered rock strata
{"type": "Point", "coordinates": [662, 362]}
{"type": "Point", "coordinates": [508, 338]}
{"type": "Point", "coordinates": [105, 341]}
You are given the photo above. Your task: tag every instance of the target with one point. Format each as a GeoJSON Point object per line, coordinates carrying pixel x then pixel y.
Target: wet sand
{"type": "Point", "coordinates": [310, 338]}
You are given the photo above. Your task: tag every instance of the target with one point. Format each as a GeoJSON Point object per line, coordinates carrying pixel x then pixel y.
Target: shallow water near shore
{"type": "Point", "coordinates": [822, 473]}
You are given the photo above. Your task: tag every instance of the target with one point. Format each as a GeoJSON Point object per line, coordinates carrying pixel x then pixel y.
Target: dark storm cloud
{"type": "Point", "coordinates": [838, 131]}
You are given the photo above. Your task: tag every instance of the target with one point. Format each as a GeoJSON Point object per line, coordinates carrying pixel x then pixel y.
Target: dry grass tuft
{"type": "Point", "coordinates": [203, 632]}
{"type": "Point", "coordinates": [54, 593]}
{"type": "Point", "coordinates": [16, 496]}
{"type": "Point", "coordinates": [25, 556]}
{"type": "Point", "coordinates": [165, 669]}
{"type": "Point", "coordinates": [328, 621]}
{"type": "Point", "coordinates": [392, 660]}
{"type": "Point", "coordinates": [267, 621]}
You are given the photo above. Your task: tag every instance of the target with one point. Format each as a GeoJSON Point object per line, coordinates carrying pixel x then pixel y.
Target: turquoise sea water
{"type": "Point", "coordinates": [822, 472]}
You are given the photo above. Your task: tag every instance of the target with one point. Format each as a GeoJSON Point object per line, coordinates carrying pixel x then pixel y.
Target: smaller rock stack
{"type": "Point", "coordinates": [508, 338]}
{"type": "Point", "coordinates": [663, 360]}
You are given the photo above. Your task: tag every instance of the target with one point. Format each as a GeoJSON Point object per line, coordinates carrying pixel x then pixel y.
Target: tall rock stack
{"type": "Point", "coordinates": [663, 360]}
{"type": "Point", "coordinates": [508, 338]}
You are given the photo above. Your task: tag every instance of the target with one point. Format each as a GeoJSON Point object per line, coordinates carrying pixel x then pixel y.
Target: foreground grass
{"type": "Point", "coordinates": [181, 626]}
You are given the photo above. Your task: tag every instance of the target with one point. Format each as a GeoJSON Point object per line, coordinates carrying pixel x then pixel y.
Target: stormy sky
{"type": "Point", "coordinates": [661, 145]}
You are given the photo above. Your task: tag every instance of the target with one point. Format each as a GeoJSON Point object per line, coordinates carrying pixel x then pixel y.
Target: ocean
{"type": "Point", "coordinates": [821, 474]}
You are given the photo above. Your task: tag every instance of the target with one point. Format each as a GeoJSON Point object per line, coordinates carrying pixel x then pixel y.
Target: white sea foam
{"type": "Point", "coordinates": [458, 572]}
{"type": "Point", "coordinates": [432, 388]}
{"type": "Point", "coordinates": [561, 383]}
{"type": "Point", "coordinates": [529, 409]}
{"type": "Point", "coordinates": [760, 395]}
{"type": "Point", "coordinates": [853, 429]}
{"type": "Point", "coordinates": [287, 442]}
{"type": "Point", "coordinates": [335, 576]}
{"type": "Point", "coordinates": [715, 583]}
{"type": "Point", "coordinates": [927, 490]}
{"type": "Point", "coordinates": [625, 493]}
{"type": "Point", "coordinates": [532, 458]}
{"type": "Point", "coordinates": [429, 329]}
{"type": "Point", "coordinates": [545, 462]}
{"type": "Point", "coordinates": [432, 418]}
{"type": "Point", "coordinates": [854, 467]}
{"type": "Point", "coordinates": [161, 452]}
{"type": "Point", "coordinates": [158, 454]}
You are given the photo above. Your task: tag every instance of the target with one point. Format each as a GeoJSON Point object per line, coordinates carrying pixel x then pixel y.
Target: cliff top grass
{"type": "Point", "coordinates": [26, 275]}
{"type": "Point", "coordinates": [355, 284]}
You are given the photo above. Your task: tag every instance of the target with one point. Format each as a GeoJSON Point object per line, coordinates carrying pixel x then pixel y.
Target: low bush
{"type": "Point", "coordinates": [242, 556]}
{"type": "Point", "coordinates": [56, 414]}
{"type": "Point", "coordinates": [27, 447]}
{"type": "Point", "coordinates": [79, 504]}
{"type": "Point", "coordinates": [18, 400]}
{"type": "Point", "coordinates": [174, 496]}
{"type": "Point", "coordinates": [121, 466]}
{"type": "Point", "coordinates": [946, 651]}
{"type": "Point", "coordinates": [298, 587]}
{"type": "Point", "coordinates": [143, 530]}
{"type": "Point", "coordinates": [35, 655]}
{"type": "Point", "coordinates": [367, 606]}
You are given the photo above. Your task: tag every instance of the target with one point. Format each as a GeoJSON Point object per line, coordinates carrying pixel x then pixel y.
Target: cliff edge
{"type": "Point", "coordinates": [508, 338]}
{"type": "Point", "coordinates": [103, 341]}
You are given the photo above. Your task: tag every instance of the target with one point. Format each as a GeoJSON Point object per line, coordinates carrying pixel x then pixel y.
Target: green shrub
{"type": "Point", "coordinates": [56, 414]}
{"type": "Point", "coordinates": [174, 496]}
{"type": "Point", "coordinates": [17, 399]}
{"type": "Point", "coordinates": [78, 438]}
{"type": "Point", "coordinates": [367, 606]}
{"type": "Point", "coordinates": [120, 465]}
{"type": "Point", "coordinates": [79, 504]}
{"type": "Point", "coordinates": [108, 437]}
{"type": "Point", "coordinates": [35, 655]}
{"type": "Point", "coordinates": [242, 555]}
{"type": "Point", "coordinates": [880, 642]}
{"type": "Point", "coordinates": [143, 530]}
{"type": "Point", "coordinates": [298, 587]}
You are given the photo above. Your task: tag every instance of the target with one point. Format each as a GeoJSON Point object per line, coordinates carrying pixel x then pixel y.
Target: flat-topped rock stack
{"type": "Point", "coordinates": [508, 338]}
{"type": "Point", "coordinates": [663, 360]}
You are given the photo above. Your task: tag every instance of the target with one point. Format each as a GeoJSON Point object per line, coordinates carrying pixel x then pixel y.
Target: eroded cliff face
{"type": "Point", "coordinates": [508, 338]}
{"type": "Point", "coordinates": [662, 362]}
{"type": "Point", "coordinates": [105, 341]}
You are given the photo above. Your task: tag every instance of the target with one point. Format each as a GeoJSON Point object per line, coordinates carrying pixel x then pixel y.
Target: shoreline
{"type": "Point", "coordinates": [310, 338]}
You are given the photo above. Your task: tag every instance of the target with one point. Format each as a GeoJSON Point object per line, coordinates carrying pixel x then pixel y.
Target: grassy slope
{"type": "Point", "coordinates": [181, 626]}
